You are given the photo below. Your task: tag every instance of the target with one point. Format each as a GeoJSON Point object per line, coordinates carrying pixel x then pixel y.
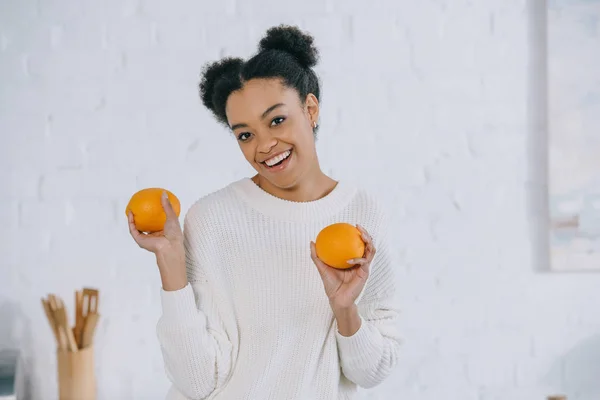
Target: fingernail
{"type": "Point", "coordinates": [164, 194]}
{"type": "Point", "coordinates": [352, 261]}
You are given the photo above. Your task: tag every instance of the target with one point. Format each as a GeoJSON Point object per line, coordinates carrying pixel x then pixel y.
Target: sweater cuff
{"type": "Point", "coordinates": [179, 304]}
{"type": "Point", "coordinates": [359, 346]}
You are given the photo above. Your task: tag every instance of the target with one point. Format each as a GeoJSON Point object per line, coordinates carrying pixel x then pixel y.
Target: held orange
{"type": "Point", "coordinates": [148, 213]}
{"type": "Point", "coordinates": [338, 243]}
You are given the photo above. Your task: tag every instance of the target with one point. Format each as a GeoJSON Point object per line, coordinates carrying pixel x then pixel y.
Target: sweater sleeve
{"type": "Point", "coordinates": [194, 345]}
{"type": "Point", "coordinates": [369, 356]}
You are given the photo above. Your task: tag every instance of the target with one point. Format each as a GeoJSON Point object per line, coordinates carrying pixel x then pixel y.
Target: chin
{"type": "Point", "coordinates": [287, 181]}
{"type": "Point", "coordinates": [283, 182]}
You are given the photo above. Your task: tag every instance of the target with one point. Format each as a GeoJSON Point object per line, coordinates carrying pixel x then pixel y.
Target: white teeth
{"type": "Point", "coordinates": [272, 161]}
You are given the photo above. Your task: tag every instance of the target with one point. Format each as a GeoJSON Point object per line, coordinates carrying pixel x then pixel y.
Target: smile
{"type": "Point", "coordinates": [278, 159]}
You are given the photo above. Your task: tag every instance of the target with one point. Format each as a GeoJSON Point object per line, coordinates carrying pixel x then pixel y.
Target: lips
{"type": "Point", "coordinates": [277, 159]}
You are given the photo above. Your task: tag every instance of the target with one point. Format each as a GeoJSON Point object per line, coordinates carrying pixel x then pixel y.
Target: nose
{"type": "Point", "coordinates": [265, 143]}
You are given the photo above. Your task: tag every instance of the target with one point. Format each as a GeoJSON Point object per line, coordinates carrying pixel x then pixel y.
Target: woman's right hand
{"type": "Point", "coordinates": [167, 245]}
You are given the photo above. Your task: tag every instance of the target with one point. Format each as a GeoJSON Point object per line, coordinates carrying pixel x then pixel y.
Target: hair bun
{"type": "Point", "coordinates": [293, 41]}
{"type": "Point", "coordinates": [212, 73]}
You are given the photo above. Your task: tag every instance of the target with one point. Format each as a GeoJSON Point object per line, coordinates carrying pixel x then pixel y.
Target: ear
{"type": "Point", "coordinates": [312, 108]}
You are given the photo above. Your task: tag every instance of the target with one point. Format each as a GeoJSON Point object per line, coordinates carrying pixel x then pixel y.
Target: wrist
{"type": "Point", "coordinates": [172, 269]}
{"type": "Point", "coordinates": [171, 283]}
{"type": "Point", "coordinates": [171, 259]}
{"type": "Point", "coordinates": [348, 320]}
{"type": "Point", "coordinates": [342, 307]}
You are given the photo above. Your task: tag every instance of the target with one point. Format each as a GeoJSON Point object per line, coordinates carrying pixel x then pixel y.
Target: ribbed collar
{"type": "Point", "coordinates": [288, 210]}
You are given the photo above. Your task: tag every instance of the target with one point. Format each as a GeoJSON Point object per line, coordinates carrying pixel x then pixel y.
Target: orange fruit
{"type": "Point", "coordinates": [148, 213]}
{"type": "Point", "coordinates": [337, 243]}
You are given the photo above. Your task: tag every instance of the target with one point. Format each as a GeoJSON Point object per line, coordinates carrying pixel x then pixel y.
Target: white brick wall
{"type": "Point", "coordinates": [429, 102]}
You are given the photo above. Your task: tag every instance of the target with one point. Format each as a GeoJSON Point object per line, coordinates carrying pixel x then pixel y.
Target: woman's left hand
{"type": "Point", "coordinates": [343, 286]}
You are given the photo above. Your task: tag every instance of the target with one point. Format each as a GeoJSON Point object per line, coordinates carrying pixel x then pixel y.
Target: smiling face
{"type": "Point", "coordinates": [274, 130]}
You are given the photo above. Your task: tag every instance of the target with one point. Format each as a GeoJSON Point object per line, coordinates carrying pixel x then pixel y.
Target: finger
{"type": "Point", "coordinates": [362, 273]}
{"type": "Point", "coordinates": [313, 255]}
{"type": "Point", "coordinates": [321, 267]}
{"type": "Point", "coordinates": [364, 234]}
{"type": "Point", "coordinates": [155, 234]}
{"type": "Point", "coordinates": [132, 228]}
{"type": "Point", "coordinates": [370, 251]}
{"type": "Point", "coordinates": [357, 261]}
{"type": "Point", "coordinates": [166, 203]}
{"type": "Point", "coordinates": [135, 233]}
{"type": "Point", "coordinates": [369, 246]}
{"type": "Point", "coordinates": [362, 263]}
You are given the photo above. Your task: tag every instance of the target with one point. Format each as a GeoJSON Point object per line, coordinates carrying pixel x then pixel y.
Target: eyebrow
{"type": "Point", "coordinates": [263, 115]}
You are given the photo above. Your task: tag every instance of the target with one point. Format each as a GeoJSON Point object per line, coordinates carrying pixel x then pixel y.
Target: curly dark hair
{"type": "Point", "coordinates": [285, 52]}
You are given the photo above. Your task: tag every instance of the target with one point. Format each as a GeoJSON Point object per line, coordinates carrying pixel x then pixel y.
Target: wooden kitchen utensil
{"type": "Point", "coordinates": [90, 300]}
{"type": "Point", "coordinates": [79, 320]}
{"type": "Point", "coordinates": [88, 331]}
{"type": "Point", "coordinates": [51, 320]}
{"type": "Point", "coordinates": [90, 315]}
{"type": "Point", "coordinates": [62, 320]}
{"type": "Point", "coordinates": [62, 337]}
{"type": "Point", "coordinates": [75, 350]}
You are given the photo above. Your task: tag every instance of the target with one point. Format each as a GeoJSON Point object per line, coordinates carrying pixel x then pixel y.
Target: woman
{"type": "Point", "coordinates": [249, 311]}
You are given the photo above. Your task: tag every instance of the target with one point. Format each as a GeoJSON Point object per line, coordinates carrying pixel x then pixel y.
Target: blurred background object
{"type": "Point", "coordinates": [9, 370]}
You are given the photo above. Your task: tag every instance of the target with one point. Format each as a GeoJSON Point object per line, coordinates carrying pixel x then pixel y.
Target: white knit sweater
{"type": "Point", "coordinates": [254, 321]}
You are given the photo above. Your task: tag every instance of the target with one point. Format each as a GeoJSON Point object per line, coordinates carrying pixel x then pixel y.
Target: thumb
{"type": "Point", "coordinates": [166, 203]}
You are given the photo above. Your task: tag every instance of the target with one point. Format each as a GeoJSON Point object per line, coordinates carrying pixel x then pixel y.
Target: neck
{"type": "Point", "coordinates": [312, 186]}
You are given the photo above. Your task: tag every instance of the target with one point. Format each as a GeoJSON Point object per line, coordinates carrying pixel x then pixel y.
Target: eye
{"type": "Point", "coordinates": [242, 137]}
{"type": "Point", "coordinates": [277, 121]}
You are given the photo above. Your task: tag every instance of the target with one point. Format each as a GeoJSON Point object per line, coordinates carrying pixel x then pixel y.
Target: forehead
{"type": "Point", "coordinates": [255, 97]}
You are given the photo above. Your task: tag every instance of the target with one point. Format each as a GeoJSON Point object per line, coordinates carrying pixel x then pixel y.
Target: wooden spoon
{"type": "Point", "coordinates": [89, 330]}
{"type": "Point", "coordinates": [51, 321]}
{"type": "Point", "coordinates": [62, 320]}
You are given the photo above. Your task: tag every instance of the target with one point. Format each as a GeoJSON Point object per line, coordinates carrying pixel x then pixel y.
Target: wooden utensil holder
{"type": "Point", "coordinates": [76, 374]}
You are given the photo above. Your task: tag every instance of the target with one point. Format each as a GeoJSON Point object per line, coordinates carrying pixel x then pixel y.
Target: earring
{"type": "Point", "coordinates": [315, 124]}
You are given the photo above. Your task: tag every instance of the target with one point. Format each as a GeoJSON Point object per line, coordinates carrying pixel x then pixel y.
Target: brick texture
{"type": "Point", "coordinates": [428, 102]}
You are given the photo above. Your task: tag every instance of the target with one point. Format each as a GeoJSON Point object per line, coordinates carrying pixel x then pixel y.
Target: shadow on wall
{"type": "Point", "coordinates": [537, 144]}
{"type": "Point", "coordinates": [580, 370]}
{"type": "Point", "coordinates": [15, 334]}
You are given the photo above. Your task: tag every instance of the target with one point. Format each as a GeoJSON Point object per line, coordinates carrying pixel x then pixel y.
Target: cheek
{"type": "Point", "coordinates": [248, 151]}
{"type": "Point", "coordinates": [301, 136]}
{"type": "Point", "coordinates": [305, 141]}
